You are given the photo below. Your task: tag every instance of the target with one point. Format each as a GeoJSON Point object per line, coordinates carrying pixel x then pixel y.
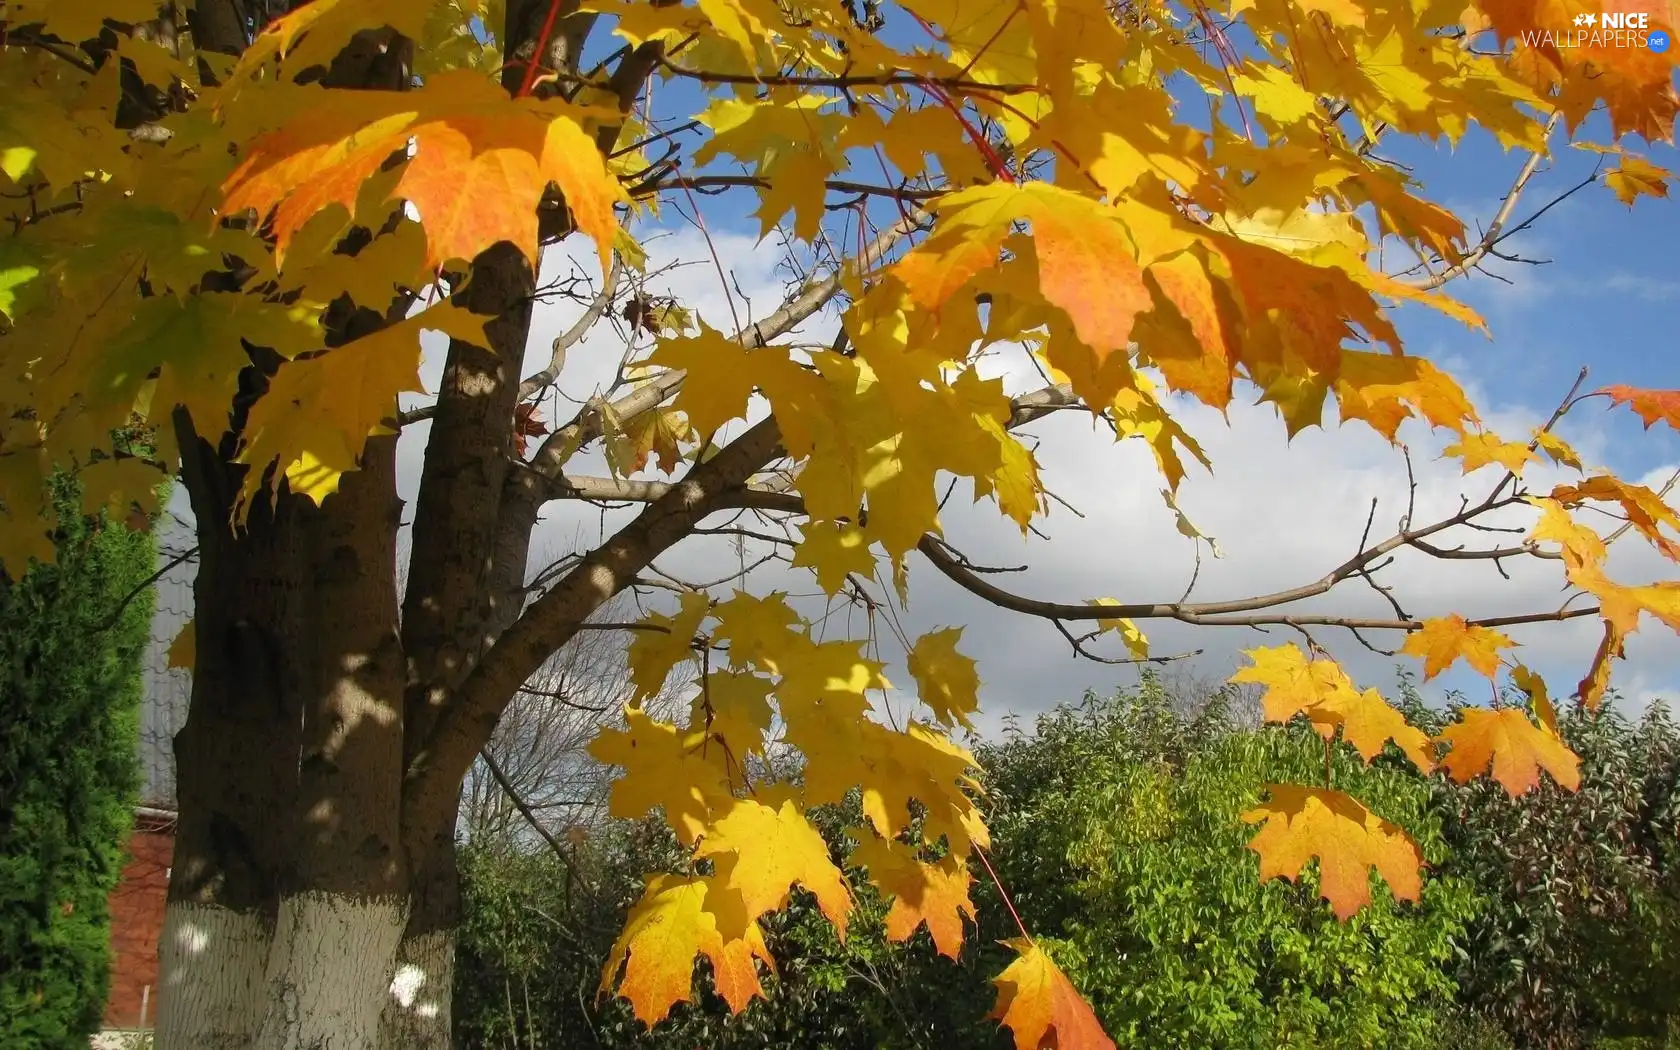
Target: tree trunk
{"type": "Point", "coordinates": [236, 761]}
{"type": "Point", "coordinates": [211, 961]}
{"type": "Point", "coordinates": [344, 887]}
{"type": "Point", "coordinates": [329, 969]}
{"type": "Point", "coordinates": [419, 1007]}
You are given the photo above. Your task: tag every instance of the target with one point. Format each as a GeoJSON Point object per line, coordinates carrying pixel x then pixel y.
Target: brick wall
{"type": "Point", "coordinates": [137, 921]}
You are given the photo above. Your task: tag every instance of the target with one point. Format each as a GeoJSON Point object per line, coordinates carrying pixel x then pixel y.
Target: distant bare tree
{"type": "Point", "coordinates": [1191, 689]}
{"type": "Point", "coordinates": [163, 710]}
{"type": "Point", "coordinates": [535, 781]}
{"type": "Point", "coordinates": [536, 775]}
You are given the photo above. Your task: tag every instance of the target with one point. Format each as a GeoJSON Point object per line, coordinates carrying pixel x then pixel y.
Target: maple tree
{"type": "Point", "coordinates": [230, 227]}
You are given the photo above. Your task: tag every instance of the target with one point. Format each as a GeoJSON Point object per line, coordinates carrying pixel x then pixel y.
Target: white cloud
{"type": "Point", "coordinates": [1643, 287]}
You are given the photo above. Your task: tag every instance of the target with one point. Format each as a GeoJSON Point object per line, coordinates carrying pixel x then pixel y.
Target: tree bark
{"type": "Point", "coordinates": [344, 887]}
{"type": "Point", "coordinates": [417, 1014]}
{"type": "Point", "coordinates": [236, 757]}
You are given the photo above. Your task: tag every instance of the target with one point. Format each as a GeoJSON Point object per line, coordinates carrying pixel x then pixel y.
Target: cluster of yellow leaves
{"type": "Point", "coordinates": [1304, 823]}
{"type": "Point", "coordinates": [755, 833]}
{"type": "Point", "coordinates": [1146, 253]}
{"type": "Point", "coordinates": [776, 681]}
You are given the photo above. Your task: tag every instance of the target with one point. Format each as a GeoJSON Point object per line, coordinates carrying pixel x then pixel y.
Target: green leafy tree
{"type": "Point", "coordinates": [72, 635]}
{"type": "Point", "coordinates": [1117, 832]}
{"type": "Point", "coordinates": [1580, 941]}
{"type": "Point", "coordinates": [1124, 836]}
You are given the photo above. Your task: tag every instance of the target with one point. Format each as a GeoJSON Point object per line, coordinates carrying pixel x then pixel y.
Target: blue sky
{"type": "Point", "coordinates": [1609, 299]}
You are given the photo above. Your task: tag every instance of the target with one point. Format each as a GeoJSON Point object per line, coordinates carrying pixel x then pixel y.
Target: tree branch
{"type": "Point", "coordinates": [468, 720]}
{"type": "Point", "coordinates": [1496, 229]}
{"type": "Point", "coordinates": [530, 816]}
{"type": "Point", "coordinates": [586, 427]}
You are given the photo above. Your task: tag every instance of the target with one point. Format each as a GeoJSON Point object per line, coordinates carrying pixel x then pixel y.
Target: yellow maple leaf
{"type": "Point", "coordinates": [1347, 839]}
{"type": "Point", "coordinates": [1636, 176]}
{"type": "Point", "coordinates": [1535, 687]}
{"type": "Point", "coordinates": [1622, 605]}
{"type": "Point", "coordinates": [76, 22]}
{"type": "Point", "coordinates": [764, 847]}
{"type": "Point", "coordinates": [734, 707]}
{"type": "Point", "coordinates": [675, 920]}
{"type": "Point", "coordinates": [1481, 450]}
{"type": "Point", "coordinates": [1558, 449]}
{"type": "Point", "coordinates": [760, 631]}
{"type": "Point", "coordinates": [183, 651]}
{"type": "Point", "coordinates": [721, 375]}
{"type": "Point", "coordinates": [315, 33]}
{"type": "Point", "coordinates": [119, 482]}
{"type": "Point", "coordinates": [946, 680]}
{"type": "Point", "coordinates": [1137, 643]}
{"type": "Point", "coordinates": [833, 551]}
{"type": "Point", "coordinates": [319, 412]}
{"type": "Point", "coordinates": [1442, 641]}
{"type": "Point", "coordinates": [1581, 546]}
{"type": "Point", "coordinates": [664, 768]}
{"type": "Point", "coordinates": [664, 642]}
{"type": "Point", "coordinates": [1385, 389]}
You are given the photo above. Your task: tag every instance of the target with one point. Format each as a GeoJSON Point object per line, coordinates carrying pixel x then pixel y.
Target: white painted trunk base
{"type": "Point", "coordinates": [212, 963]}
{"type": "Point", "coordinates": [329, 971]}
{"type": "Point", "coordinates": [417, 1009]}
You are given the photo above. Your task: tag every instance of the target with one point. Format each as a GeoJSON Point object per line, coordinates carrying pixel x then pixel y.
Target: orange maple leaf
{"type": "Point", "coordinates": [479, 167]}
{"type": "Point", "coordinates": [1322, 692]}
{"type": "Point", "coordinates": [934, 894]}
{"type": "Point", "coordinates": [676, 919]}
{"type": "Point", "coordinates": [1596, 681]}
{"type": "Point", "coordinates": [1645, 510]}
{"type": "Point", "coordinates": [526, 425]}
{"type": "Point", "coordinates": [1634, 82]}
{"type": "Point", "coordinates": [1087, 262]}
{"type": "Point", "coordinates": [1650, 405]}
{"type": "Point", "coordinates": [1042, 1007]}
{"type": "Point", "coordinates": [1514, 747]}
{"type": "Point", "coordinates": [1442, 641]}
{"type": "Point", "coordinates": [1347, 839]}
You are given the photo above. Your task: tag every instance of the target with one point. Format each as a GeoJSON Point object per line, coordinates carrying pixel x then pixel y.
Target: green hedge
{"type": "Point", "coordinates": [1116, 833]}
{"type": "Point", "coordinates": [70, 690]}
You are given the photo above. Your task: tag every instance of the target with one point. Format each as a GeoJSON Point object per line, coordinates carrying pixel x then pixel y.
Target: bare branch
{"type": "Point", "coordinates": [1496, 229]}
{"type": "Point", "coordinates": [530, 817]}
{"type": "Point", "coordinates": [587, 426]}
{"type": "Point", "coordinates": [573, 335]}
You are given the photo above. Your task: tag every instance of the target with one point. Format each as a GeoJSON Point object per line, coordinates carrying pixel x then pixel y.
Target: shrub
{"type": "Point", "coordinates": [70, 687]}
{"type": "Point", "coordinates": [1116, 829]}
{"type": "Point", "coordinates": [1580, 941]}
{"type": "Point", "coordinates": [1120, 828]}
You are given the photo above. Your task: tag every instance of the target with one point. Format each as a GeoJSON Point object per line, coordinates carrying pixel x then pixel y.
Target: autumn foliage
{"type": "Point", "coordinates": [183, 231]}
